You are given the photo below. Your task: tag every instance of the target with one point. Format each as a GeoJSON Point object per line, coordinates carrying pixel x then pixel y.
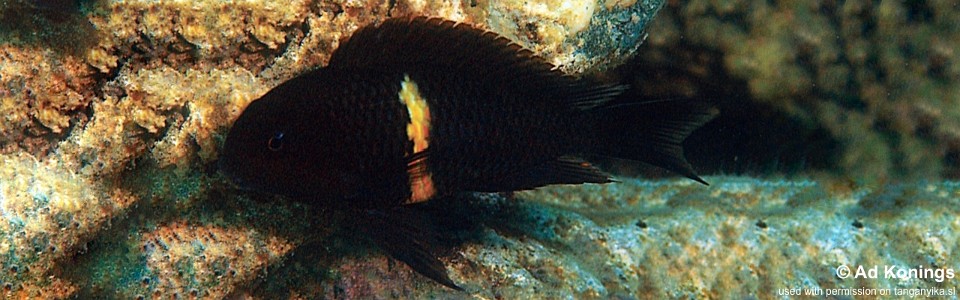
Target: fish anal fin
{"type": "Point", "coordinates": [586, 96]}
{"type": "Point", "coordinates": [563, 170]}
{"type": "Point", "coordinates": [652, 132]}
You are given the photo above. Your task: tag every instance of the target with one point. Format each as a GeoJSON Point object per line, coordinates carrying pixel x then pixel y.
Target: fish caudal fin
{"type": "Point", "coordinates": [651, 132]}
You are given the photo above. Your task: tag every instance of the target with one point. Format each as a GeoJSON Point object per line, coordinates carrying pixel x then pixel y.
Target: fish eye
{"type": "Point", "coordinates": [276, 142]}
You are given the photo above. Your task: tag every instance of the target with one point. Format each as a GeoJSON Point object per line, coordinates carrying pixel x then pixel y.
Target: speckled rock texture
{"type": "Point", "coordinates": [112, 114]}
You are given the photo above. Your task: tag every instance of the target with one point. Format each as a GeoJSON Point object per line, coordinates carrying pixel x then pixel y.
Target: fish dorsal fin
{"type": "Point", "coordinates": [412, 43]}
{"type": "Point", "coordinates": [424, 44]}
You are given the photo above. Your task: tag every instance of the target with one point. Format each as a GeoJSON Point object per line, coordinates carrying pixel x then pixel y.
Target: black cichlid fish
{"type": "Point", "coordinates": [415, 109]}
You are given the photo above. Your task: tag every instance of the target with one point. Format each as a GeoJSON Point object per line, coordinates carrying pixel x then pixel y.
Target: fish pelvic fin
{"type": "Point", "coordinates": [408, 236]}
{"type": "Point", "coordinates": [650, 131]}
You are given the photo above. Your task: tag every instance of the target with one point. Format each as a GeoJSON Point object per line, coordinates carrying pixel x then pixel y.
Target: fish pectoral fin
{"type": "Point", "coordinates": [418, 158]}
{"type": "Point", "coordinates": [420, 179]}
{"type": "Point", "coordinates": [406, 234]}
{"type": "Point", "coordinates": [563, 170]}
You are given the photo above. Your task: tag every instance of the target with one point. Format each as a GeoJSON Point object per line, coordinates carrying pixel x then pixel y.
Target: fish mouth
{"type": "Point", "coordinates": [238, 183]}
{"type": "Point", "coordinates": [226, 169]}
{"type": "Point", "coordinates": [236, 180]}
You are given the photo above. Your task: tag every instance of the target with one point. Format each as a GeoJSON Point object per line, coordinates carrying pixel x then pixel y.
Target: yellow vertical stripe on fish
{"type": "Point", "coordinates": [418, 131]}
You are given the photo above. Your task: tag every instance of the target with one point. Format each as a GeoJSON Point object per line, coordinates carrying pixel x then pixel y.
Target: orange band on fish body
{"type": "Point", "coordinates": [421, 183]}
{"type": "Point", "coordinates": [418, 132]}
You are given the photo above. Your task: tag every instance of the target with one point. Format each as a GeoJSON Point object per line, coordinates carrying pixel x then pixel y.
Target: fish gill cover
{"type": "Point", "coordinates": [835, 147]}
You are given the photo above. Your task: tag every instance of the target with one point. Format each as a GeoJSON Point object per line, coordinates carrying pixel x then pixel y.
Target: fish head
{"type": "Point", "coordinates": [276, 146]}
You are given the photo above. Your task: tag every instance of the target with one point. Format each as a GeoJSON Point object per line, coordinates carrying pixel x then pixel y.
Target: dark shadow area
{"type": "Point", "coordinates": [312, 266]}
{"type": "Point", "coordinates": [746, 138]}
{"type": "Point", "coordinates": [59, 25]}
{"type": "Point", "coordinates": [445, 225]}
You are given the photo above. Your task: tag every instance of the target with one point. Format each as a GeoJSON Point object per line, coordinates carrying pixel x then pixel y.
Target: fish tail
{"type": "Point", "coordinates": [649, 131]}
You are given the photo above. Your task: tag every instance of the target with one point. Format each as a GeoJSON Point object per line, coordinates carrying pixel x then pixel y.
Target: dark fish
{"type": "Point", "coordinates": [415, 109]}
